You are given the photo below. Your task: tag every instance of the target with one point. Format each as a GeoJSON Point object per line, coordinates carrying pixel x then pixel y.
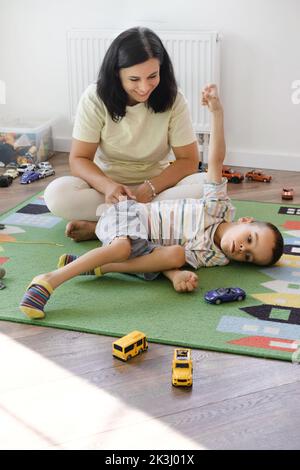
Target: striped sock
{"type": "Point", "coordinates": [35, 298]}
{"type": "Point", "coordinates": [67, 258]}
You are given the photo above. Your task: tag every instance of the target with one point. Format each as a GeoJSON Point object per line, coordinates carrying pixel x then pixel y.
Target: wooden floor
{"type": "Point", "coordinates": [63, 390]}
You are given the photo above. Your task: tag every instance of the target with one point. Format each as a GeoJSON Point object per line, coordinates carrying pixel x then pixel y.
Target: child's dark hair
{"type": "Point", "coordinates": [278, 242]}
{"type": "Point", "coordinates": [134, 46]}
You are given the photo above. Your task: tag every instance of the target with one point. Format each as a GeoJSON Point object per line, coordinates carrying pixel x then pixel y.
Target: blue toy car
{"type": "Point", "coordinates": [224, 294]}
{"type": "Point", "coordinates": [29, 177]}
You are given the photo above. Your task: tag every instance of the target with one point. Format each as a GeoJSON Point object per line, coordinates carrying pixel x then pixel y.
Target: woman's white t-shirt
{"type": "Point", "coordinates": [137, 147]}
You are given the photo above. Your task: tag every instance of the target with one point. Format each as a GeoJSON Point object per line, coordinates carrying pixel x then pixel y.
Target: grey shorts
{"type": "Point", "coordinates": [140, 247]}
{"type": "Point", "coordinates": [127, 219]}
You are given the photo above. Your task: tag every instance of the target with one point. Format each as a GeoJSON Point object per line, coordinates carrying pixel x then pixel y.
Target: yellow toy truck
{"type": "Point", "coordinates": [182, 368]}
{"type": "Point", "coordinates": [130, 345]}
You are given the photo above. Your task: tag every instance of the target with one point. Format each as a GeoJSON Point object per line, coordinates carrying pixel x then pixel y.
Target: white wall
{"type": "Point", "coordinates": [260, 61]}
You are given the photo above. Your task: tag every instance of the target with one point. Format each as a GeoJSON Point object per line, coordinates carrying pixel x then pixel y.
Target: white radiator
{"type": "Point", "coordinates": [195, 57]}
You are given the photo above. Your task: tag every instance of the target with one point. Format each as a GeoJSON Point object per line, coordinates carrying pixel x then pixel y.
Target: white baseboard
{"type": "Point", "coordinates": [270, 161]}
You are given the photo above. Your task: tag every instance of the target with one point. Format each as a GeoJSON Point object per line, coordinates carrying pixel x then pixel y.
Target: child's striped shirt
{"type": "Point", "coordinates": [192, 223]}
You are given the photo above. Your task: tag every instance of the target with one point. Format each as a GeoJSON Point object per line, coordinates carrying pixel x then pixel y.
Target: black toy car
{"type": "Point", "coordinates": [5, 181]}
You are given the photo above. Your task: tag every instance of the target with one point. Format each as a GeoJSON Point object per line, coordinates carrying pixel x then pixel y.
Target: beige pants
{"type": "Point", "coordinates": [72, 198]}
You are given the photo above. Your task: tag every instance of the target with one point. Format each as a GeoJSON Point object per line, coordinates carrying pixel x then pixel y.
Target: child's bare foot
{"type": "Point", "coordinates": [210, 98]}
{"type": "Point", "coordinates": [185, 281]}
{"type": "Point", "coordinates": [80, 230]}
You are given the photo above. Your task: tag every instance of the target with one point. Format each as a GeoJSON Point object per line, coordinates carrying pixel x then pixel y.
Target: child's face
{"type": "Point", "coordinates": [248, 242]}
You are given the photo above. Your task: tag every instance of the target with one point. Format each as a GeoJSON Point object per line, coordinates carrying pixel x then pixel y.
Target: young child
{"type": "Point", "coordinates": [164, 236]}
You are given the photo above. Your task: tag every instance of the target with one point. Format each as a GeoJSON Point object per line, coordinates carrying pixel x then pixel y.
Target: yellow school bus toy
{"type": "Point", "coordinates": [182, 368]}
{"type": "Point", "coordinates": [130, 345]}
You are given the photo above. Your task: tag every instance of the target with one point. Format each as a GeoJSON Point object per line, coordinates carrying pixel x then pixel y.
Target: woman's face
{"type": "Point", "coordinates": [140, 80]}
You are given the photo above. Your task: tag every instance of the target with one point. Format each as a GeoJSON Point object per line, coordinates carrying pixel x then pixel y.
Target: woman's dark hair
{"type": "Point", "coordinates": [134, 46]}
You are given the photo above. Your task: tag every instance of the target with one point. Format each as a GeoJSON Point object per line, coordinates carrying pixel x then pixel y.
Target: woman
{"type": "Point", "coordinates": [125, 127]}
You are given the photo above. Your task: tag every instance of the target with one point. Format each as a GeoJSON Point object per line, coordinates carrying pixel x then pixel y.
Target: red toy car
{"type": "Point", "coordinates": [287, 193]}
{"type": "Point", "coordinates": [258, 175]}
{"type": "Point", "coordinates": [232, 175]}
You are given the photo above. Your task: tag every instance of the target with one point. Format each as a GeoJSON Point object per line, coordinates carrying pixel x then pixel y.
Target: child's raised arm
{"type": "Point", "coordinates": [217, 147]}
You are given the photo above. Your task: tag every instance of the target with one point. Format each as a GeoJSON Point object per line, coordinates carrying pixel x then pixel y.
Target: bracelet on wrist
{"type": "Point", "coordinates": [152, 187]}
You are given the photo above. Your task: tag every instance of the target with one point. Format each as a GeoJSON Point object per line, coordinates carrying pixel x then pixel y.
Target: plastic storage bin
{"type": "Point", "coordinates": [23, 142]}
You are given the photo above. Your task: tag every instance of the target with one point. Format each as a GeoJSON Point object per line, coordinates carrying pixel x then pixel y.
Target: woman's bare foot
{"type": "Point", "coordinates": [185, 281]}
{"type": "Point", "coordinates": [80, 230]}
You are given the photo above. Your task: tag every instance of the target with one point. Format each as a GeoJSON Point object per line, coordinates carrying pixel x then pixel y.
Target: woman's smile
{"type": "Point", "coordinates": [140, 78]}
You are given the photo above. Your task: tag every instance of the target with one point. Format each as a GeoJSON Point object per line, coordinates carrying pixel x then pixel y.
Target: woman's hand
{"type": "Point", "coordinates": [144, 193]}
{"type": "Point", "coordinates": [115, 191]}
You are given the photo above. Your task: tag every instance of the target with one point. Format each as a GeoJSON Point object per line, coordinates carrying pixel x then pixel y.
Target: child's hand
{"type": "Point", "coordinates": [210, 98]}
{"type": "Point", "coordinates": [185, 281]}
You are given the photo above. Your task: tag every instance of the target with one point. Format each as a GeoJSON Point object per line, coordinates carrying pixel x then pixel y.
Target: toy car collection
{"type": "Point", "coordinates": [29, 172]}
{"type": "Point", "coordinates": [224, 294]}
{"type": "Point", "coordinates": [182, 368]}
{"type": "Point", "coordinates": [233, 176]}
{"type": "Point", "coordinates": [287, 193]}
{"type": "Point", "coordinates": [258, 175]}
